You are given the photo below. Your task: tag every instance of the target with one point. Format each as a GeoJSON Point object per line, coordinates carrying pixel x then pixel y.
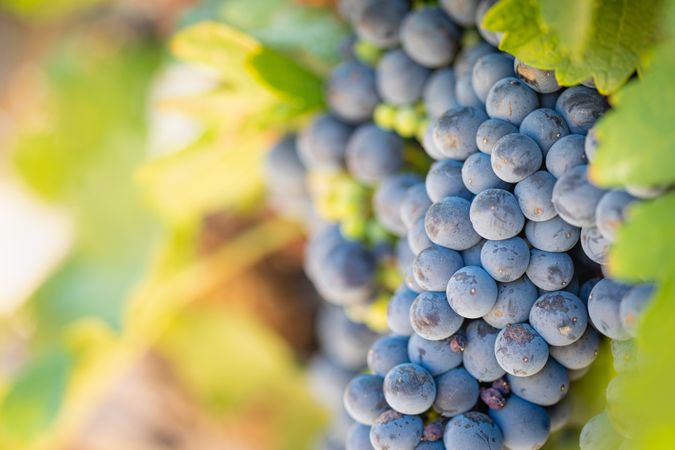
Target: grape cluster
{"type": "Point", "coordinates": [467, 172]}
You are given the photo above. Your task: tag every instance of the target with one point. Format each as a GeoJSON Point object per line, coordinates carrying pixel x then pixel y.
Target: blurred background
{"type": "Point", "coordinates": [149, 299]}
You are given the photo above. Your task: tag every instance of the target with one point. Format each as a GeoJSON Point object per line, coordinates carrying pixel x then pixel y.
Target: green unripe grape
{"type": "Point", "coordinates": [354, 227]}
{"type": "Point", "coordinates": [385, 116]}
{"type": "Point", "coordinates": [367, 52]}
{"type": "Point", "coordinates": [375, 232]}
{"type": "Point", "coordinates": [406, 121]}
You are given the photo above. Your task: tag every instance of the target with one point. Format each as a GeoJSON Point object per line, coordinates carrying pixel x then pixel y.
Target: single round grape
{"type": "Point", "coordinates": [461, 11]}
{"type": "Point", "coordinates": [374, 154]}
{"type": "Point", "coordinates": [603, 308]}
{"type": "Point", "coordinates": [455, 132]}
{"type": "Point", "coordinates": [395, 431]}
{"type": "Point", "coordinates": [428, 143]}
{"type": "Point", "coordinates": [633, 303]}
{"type": "Point", "coordinates": [523, 424]}
{"type": "Point", "coordinates": [343, 341]}
{"type": "Point", "coordinates": [550, 271]}
{"type": "Point", "coordinates": [409, 388]}
{"type": "Point", "coordinates": [594, 244]}
{"type": "Point", "coordinates": [410, 283]}
{"type": "Point", "coordinates": [439, 92]}
{"type": "Point", "coordinates": [554, 235]}
{"type": "Point", "coordinates": [380, 21]}
{"type": "Point", "coordinates": [545, 127]}
{"type": "Point", "coordinates": [624, 354]}
{"type": "Point", "coordinates": [514, 301]}
{"type": "Point", "coordinates": [432, 318]}
{"type": "Point", "coordinates": [515, 157]}
{"type": "Point", "coordinates": [399, 79]}
{"type": "Point", "coordinates": [586, 287]}
{"type": "Point", "coordinates": [591, 144]}
{"type": "Point", "coordinates": [414, 204]}
{"type": "Point", "coordinates": [468, 56]}
{"type": "Point", "coordinates": [611, 212]}
{"type": "Point", "coordinates": [559, 317]}
{"type": "Point", "coordinates": [472, 431]}
{"type": "Point", "coordinates": [471, 256]}
{"type": "Point", "coordinates": [495, 214]}
{"type": "Point", "coordinates": [505, 260]}
{"type": "Point", "coordinates": [403, 255]}
{"type": "Point", "coordinates": [481, 9]}
{"type": "Point", "coordinates": [520, 351]}
{"type": "Point", "coordinates": [346, 276]}
{"type": "Point", "coordinates": [479, 352]}
{"type": "Point", "coordinates": [464, 92]}
{"type": "Point", "coordinates": [490, 131]}
{"type": "Point", "coordinates": [387, 352]}
{"type": "Point", "coordinates": [283, 167]}
{"type": "Point", "coordinates": [322, 144]}
{"type": "Point", "coordinates": [387, 201]}
{"type": "Point", "coordinates": [417, 237]}
{"type": "Point", "coordinates": [434, 266]}
{"type": "Point", "coordinates": [358, 438]}
{"type": "Point", "coordinates": [646, 192]}
{"type": "Point", "coordinates": [581, 107]}
{"type": "Point", "coordinates": [565, 153]}
{"type": "Point", "coordinates": [487, 70]}
{"type": "Point", "coordinates": [435, 356]}
{"type": "Point", "coordinates": [560, 414]}
{"type": "Point", "coordinates": [457, 392]}
{"type": "Point", "coordinates": [352, 95]}
{"type": "Point", "coordinates": [534, 196]}
{"type": "Point", "coordinates": [471, 292]}
{"type": "Point", "coordinates": [398, 311]}
{"type": "Point", "coordinates": [542, 81]}
{"type": "Point", "coordinates": [444, 179]}
{"type": "Point", "coordinates": [430, 37]}
{"type": "Point", "coordinates": [447, 223]}
{"type": "Point", "coordinates": [510, 99]}
{"type": "Point", "coordinates": [579, 354]}
{"type": "Point", "coordinates": [477, 174]}
{"type": "Point", "coordinates": [599, 433]}
{"type": "Point", "coordinates": [546, 387]}
{"type": "Point", "coordinates": [364, 398]}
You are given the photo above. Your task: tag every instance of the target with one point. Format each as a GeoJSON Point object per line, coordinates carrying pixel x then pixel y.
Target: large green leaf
{"type": "Point", "coordinates": [602, 40]}
{"type": "Point", "coordinates": [636, 139]}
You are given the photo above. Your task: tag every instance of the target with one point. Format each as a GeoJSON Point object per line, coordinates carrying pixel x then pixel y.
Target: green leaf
{"type": "Point", "coordinates": [288, 78]}
{"type": "Point", "coordinates": [636, 138]}
{"type": "Point", "coordinates": [559, 36]}
{"type": "Point", "coordinates": [645, 245]}
{"type": "Point", "coordinates": [524, 33]}
{"type": "Point", "coordinates": [33, 401]}
{"type": "Point", "coordinates": [570, 20]}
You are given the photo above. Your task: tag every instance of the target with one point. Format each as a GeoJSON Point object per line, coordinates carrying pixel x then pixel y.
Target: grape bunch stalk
{"type": "Point", "coordinates": [460, 172]}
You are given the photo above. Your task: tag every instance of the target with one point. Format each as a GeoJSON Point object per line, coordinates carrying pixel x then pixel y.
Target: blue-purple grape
{"type": "Point", "coordinates": [387, 201]}
{"type": "Point", "coordinates": [432, 318]}
{"type": "Point", "coordinates": [579, 354]}
{"type": "Point", "coordinates": [515, 157]}
{"type": "Point", "coordinates": [545, 127]}
{"type": "Point", "coordinates": [387, 352]}
{"type": "Point", "coordinates": [546, 387]}
{"type": "Point", "coordinates": [603, 308]}
{"type": "Point", "coordinates": [352, 94]}
{"type": "Point", "coordinates": [594, 244]}
{"type": "Point", "coordinates": [448, 224]}
{"type": "Point", "coordinates": [471, 292]}
{"type": "Point", "coordinates": [524, 425]}
{"type": "Point", "coordinates": [534, 196]}
{"type": "Point", "coordinates": [581, 107]}
{"type": "Point", "coordinates": [457, 392]}
{"type": "Point", "coordinates": [395, 431]}
{"type": "Point", "coordinates": [565, 153]}
{"type": "Point", "coordinates": [477, 174]}
{"type": "Point", "coordinates": [505, 260]}
{"type": "Point", "coordinates": [434, 266]}
{"type": "Point", "coordinates": [399, 79]}
{"type": "Point", "coordinates": [455, 132]}
{"type": "Point", "coordinates": [514, 301]}
{"type": "Point", "coordinates": [430, 37]}
{"type": "Point", "coordinates": [435, 356]}
{"type": "Point", "coordinates": [489, 69]}
{"type": "Point", "coordinates": [510, 99]}
{"type": "Point", "coordinates": [495, 214]}
{"type": "Point", "coordinates": [610, 214]}
{"type": "Point", "coordinates": [414, 204]}
{"type": "Point", "coordinates": [444, 179]}
{"type": "Point", "coordinates": [520, 351]}
{"type": "Point", "coordinates": [398, 311]}
{"type": "Point", "coordinates": [479, 352]}
{"type": "Point", "coordinates": [374, 154]}
{"type": "Point", "coordinates": [439, 92]}
{"type": "Point", "coordinates": [364, 398]}
{"type": "Point", "coordinates": [550, 271]}
{"type": "Point", "coordinates": [542, 81]}
{"type": "Point", "coordinates": [491, 131]}
{"type": "Point", "coordinates": [559, 317]}
{"type": "Point", "coordinates": [323, 143]}
{"type": "Point", "coordinates": [472, 431]}
{"type": "Point", "coordinates": [554, 235]}
{"type": "Point", "coordinates": [379, 22]}
{"type": "Point", "coordinates": [409, 388]}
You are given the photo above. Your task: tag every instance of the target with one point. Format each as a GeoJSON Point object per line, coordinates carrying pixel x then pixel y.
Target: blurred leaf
{"type": "Point", "coordinates": [636, 138]}
{"type": "Point", "coordinates": [233, 363]}
{"type": "Point", "coordinates": [288, 78]}
{"type": "Point", "coordinates": [645, 245]}
{"type": "Point", "coordinates": [208, 176]}
{"type": "Point", "coordinates": [36, 394]}
{"type": "Point", "coordinates": [46, 9]}
{"type": "Point", "coordinates": [606, 48]}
